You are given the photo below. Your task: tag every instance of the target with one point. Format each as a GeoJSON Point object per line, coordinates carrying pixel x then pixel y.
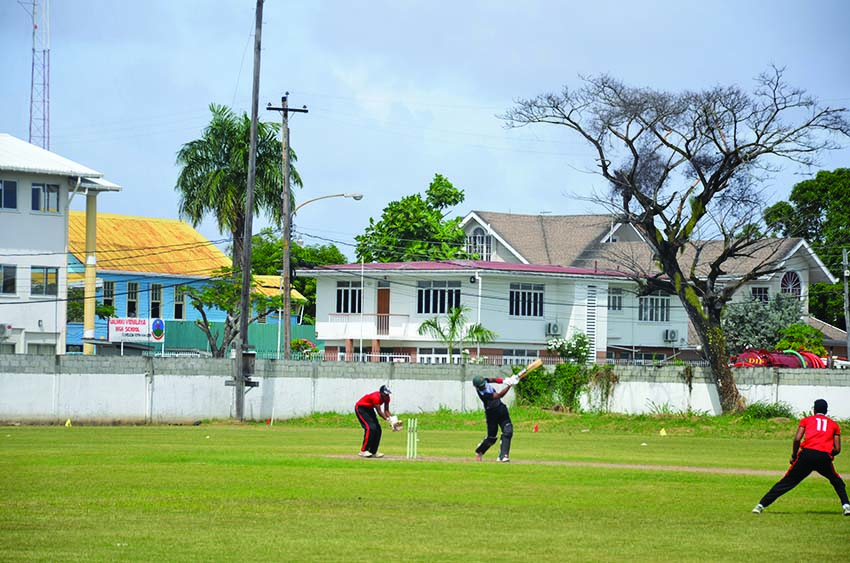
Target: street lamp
{"type": "Point", "coordinates": [355, 197]}
{"type": "Point", "coordinates": [285, 274]}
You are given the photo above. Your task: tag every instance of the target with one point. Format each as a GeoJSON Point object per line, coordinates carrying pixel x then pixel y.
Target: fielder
{"type": "Point", "coordinates": [365, 409]}
{"type": "Point", "coordinates": [817, 442]}
{"type": "Point", "coordinates": [496, 414]}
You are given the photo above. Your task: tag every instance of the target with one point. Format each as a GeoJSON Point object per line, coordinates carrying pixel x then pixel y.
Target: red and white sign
{"type": "Point", "coordinates": [129, 330]}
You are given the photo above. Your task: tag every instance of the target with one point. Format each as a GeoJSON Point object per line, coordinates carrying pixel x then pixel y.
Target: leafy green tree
{"type": "Point", "coordinates": [679, 165]}
{"type": "Point", "coordinates": [818, 210]}
{"type": "Point", "coordinates": [759, 324]}
{"type": "Point", "coordinates": [455, 332]}
{"type": "Point", "coordinates": [76, 306]}
{"type": "Point", "coordinates": [415, 228]}
{"type": "Point", "coordinates": [267, 257]}
{"type": "Point", "coordinates": [224, 292]}
{"type": "Point", "coordinates": [214, 175]}
{"type": "Point", "coordinates": [800, 336]}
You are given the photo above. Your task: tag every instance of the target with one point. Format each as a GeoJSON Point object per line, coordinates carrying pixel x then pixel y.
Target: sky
{"type": "Point", "coordinates": [397, 90]}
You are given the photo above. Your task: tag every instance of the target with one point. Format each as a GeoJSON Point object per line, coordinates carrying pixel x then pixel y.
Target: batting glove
{"type": "Point", "coordinates": [512, 380]}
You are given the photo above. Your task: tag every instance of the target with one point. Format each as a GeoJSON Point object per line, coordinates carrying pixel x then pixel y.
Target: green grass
{"type": "Point", "coordinates": [576, 491]}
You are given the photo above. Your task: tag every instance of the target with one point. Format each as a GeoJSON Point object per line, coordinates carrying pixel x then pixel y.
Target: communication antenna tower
{"type": "Point", "coordinates": [40, 78]}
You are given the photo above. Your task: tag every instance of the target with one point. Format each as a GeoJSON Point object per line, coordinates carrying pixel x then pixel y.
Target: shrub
{"type": "Point", "coordinates": [574, 349]}
{"type": "Point", "coordinates": [536, 389]}
{"type": "Point", "coordinates": [762, 410]}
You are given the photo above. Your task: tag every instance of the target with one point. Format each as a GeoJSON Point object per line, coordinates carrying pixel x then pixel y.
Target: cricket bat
{"type": "Point", "coordinates": [530, 368]}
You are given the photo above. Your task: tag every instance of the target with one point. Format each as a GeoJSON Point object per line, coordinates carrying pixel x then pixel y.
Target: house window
{"type": "Point", "coordinates": [515, 357]}
{"type": "Point", "coordinates": [615, 299]}
{"type": "Point", "coordinates": [132, 299]}
{"type": "Point", "coordinates": [526, 300]}
{"type": "Point", "coordinates": [8, 274]}
{"type": "Point", "coordinates": [761, 294]}
{"type": "Point", "coordinates": [109, 293]}
{"type": "Point", "coordinates": [480, 243]}
{"type": "Point", "coordinates": [8, 194]}
{"type": "Point", "coordinates": [45, 198]}
{"type": "Point", "coordinates": [41, 349]}
{"type": "Point", "coordinates": [156, 300]}
{"type": "Point", "coordinates": [654, 308]}
{"type": "Point", "coordinates": [791, 284]}
{"type": "Point", "coordinates": [179, 303]}
{"type": "Point", "coordinates": [349, 296]}
{"type": "Point", "coordinates": [437, 297]}
{"type": "Point", "coordinates": [7, 348]}
{"type": "Point", "coordinates": [44, 281]}
{"type": "Point", "coordinates": [433, 356]}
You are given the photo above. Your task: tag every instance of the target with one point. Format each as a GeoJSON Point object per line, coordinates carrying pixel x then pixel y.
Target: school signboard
{"type": "Point", "coordinates": [136, 330]}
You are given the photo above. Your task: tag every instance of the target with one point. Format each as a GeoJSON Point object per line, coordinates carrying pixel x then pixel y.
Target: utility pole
{"type": "Point", "coordinates": [286, 217]}
{"type": "Point", "coordinates": [846, 304]}
{"type": "Point", "coordinates": [245, 302]}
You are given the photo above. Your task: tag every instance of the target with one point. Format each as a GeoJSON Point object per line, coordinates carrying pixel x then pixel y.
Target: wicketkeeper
{"type": "Point", "coordinates": [366, 409]}
{"type": "Point", "coordinates": [496, 414]}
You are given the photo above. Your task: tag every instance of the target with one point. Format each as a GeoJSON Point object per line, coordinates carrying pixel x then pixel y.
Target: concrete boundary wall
{"type": "Point", "coordinates": [135, 390]}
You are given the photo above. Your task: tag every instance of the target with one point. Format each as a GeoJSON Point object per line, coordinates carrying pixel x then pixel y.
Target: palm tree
{"type": "Point", "coordinates": [456, 332]}
{"type": "Point", "coordinates": [214, 175]}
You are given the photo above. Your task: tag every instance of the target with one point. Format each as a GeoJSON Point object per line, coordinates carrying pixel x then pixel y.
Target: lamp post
{"type": "Point", "coordinates": [285, 273]}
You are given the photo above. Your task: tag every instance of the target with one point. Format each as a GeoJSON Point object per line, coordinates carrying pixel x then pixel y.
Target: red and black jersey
{"type": "Point", "coordinates": [819, 431]}
{"type": "Point", "coordinates": [373, 400]}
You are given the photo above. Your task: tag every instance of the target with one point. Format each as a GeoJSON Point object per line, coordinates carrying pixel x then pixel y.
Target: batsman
{"type": "Point", "coordinates": [496, 414]}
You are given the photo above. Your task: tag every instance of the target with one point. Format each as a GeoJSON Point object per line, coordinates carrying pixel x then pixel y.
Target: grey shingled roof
{"type": "Point", "coordinates": [549, 239]}
{"type": "Point", "coordinates": [577, 241]}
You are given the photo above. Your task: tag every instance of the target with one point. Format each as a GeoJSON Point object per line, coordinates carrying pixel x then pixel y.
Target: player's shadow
{"type": "Point", "coordinates": [813, 512]}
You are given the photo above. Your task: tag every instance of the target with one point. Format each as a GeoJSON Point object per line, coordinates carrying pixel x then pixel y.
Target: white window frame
{"type": "Point", "coordinates": [525, 300]}
{"type": "Point", "coordinates": [480, 243]}
{"type": "Point", "coordinates": [133, 297]}
{"type": "Point", "coordinates": [654, 308]}
{"type": "Point", "coordinates": [8, 187]}
{"type": "Point", "coordinates": [108, 293]}
{"type": "Point", "coordinates": [156, 300]}
{"type": "Point", "coordinates": [179, 303]}
{"type": "Point", "coordinates": [615, 299]}
{"type": "Point", "coordinates": [47, 198]}
{"type": "Point", "coordinates": [437, 297]}
{"type": "Point", "coordinates": [44, 273]}
{"type": "Point", "coordinates": [349, 297]}
{"type": "Point", "coordinates": [8, 276]}
{"type": "Point", "coordinates": [791, 284]}
{"type": "Point", "coordinates": [760, 293]}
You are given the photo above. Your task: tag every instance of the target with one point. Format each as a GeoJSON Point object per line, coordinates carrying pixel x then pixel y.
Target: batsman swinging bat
{"type": "Point", "coordinates": [530, 368]}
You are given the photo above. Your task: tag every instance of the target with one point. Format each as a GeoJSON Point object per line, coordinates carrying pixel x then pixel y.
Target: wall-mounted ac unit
{"type": "Point", "coordinates": [553, 328]}
{"type": "Point", "coordinates": [5, 330]}
{"type": "Point", "coordinates": [671, 335]}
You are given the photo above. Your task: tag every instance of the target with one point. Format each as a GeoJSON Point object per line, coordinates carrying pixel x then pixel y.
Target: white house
{"type": "Point", "coordinates": [375, 310]}
{"type": "Point", "coordinates": [599, 241]}
{"type": "Point", "coordinates": [36, 187]}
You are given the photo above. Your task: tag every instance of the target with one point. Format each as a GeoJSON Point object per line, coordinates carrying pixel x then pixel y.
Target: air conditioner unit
{"type": "Point", "coordinates": [5, 330]}
{"type": "Point", "coordinates": [671, 335]}
{"type": "Point", "coordinates": [553, 329]}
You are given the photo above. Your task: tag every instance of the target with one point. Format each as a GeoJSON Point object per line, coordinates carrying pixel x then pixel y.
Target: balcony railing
{"type": "Point", "coordinates": [367, 325]}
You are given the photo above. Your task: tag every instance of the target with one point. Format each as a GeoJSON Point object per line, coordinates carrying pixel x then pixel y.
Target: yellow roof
{"type": "Point", "coordinates": [144, 244]}
{"type": "Point", "coordinates": [270, 286]}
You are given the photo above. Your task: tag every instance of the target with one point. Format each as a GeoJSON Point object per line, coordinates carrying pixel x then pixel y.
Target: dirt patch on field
{"type": "Point", "coordinates": [634, 466]}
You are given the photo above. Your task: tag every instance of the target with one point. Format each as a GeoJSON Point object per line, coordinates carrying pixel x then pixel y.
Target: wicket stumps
{"type": "Point", "coordinates": [412, 437]}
